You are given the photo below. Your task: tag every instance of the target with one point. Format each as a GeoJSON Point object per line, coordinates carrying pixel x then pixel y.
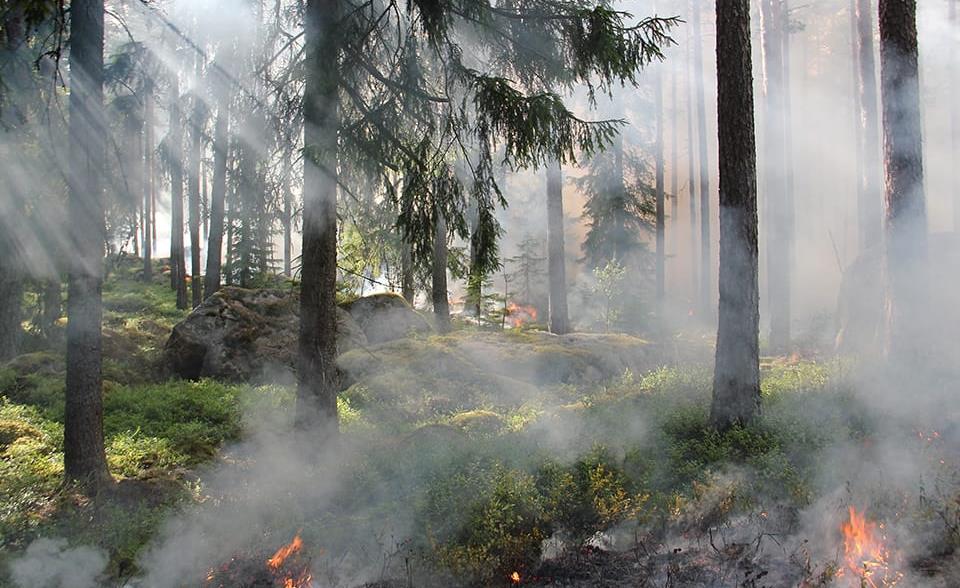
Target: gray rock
{"type": "Point", "coordinates": [240, 334]}
{"type": "Point", "coordinates": [386, 317]}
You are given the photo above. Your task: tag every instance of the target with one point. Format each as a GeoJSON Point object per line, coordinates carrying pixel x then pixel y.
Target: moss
{"type": "Point", "coordinates": [13, 430]}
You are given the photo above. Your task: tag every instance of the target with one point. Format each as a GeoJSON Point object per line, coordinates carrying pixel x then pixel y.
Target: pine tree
{"type": "Point", "coordinates": [736, 380]}
{"type": "Point", "coordinates": [906, 216]}
{"type": "Point", "coordinates": [83, 445]}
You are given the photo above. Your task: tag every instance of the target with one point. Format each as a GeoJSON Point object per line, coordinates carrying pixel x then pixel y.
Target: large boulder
{"type": "Point", "coordinates": [386, 317]}
{"type": "Point", "coordinates": [240, 334]}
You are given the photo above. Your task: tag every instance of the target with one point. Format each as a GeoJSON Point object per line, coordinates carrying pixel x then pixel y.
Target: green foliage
{"type": "Point", "coordinates": [620, 206]}
{"type": "Point", "coordinates": [592, 495]}
{"type": "Point", "coordinates": [609, 288]}
{"type": "Point", "coordinates": [485, 522]}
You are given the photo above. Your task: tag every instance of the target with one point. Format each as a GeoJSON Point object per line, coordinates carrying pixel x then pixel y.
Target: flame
{"type": "Point", "coordinates": [865, 553]}
{"type": "Point", "coordinates": [518, 314]}
{"type": "Point", "coordinates": [515, 577]}
{"type": "Point", "coordinates": [284, 552]}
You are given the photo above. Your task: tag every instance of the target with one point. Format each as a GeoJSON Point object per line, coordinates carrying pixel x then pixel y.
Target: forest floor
{"type": "Point", "coordinates": [442, 481]}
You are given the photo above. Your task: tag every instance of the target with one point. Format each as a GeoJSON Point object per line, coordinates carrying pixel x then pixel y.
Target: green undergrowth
{"type": "Point", "coordinates": [489, 484]}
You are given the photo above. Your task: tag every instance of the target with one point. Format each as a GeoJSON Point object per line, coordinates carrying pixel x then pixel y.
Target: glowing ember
{"type": "Point", "coordinates": [866, 556]}
{"type": "Point", "coordinates": [515, 577]}
{"type": "Point", "coordinates": [275, 562]}
{"type": "Point", "coordinates": [518, 315]}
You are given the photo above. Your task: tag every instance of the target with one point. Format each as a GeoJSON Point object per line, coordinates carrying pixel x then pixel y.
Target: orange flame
{"type": "Point", "coordinates": [284, 552]}
{"type": "Point", "coordinates": [515, 577]}
{"type": "Point", "coordinates": [865, 553]}
{"type": "Point", "coordinates": [518, 315]}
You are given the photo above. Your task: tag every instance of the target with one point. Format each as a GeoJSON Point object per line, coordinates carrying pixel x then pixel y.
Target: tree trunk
{"type": "Point", "coordinates": [11, 270]}
{"type": "Point", "coordinates": [11, 298]}
{"type": "Point", "coordinates": [221, 147]}
{"type": "Point", "coordinates": [84, 458]}
{"type": "Point", "coordinates": [736, 381]}
{"type": "Point", "coordinates": [406, 272]}
{"type": "Point", "coordinates": [441, 305]}
{"type": "Point", "coordinates": [556, 254]}
{"type": "Point", "coordinates": [955, 118]}
{"type": "Point", "coordinates": [178, 265]}
{"type": "Point", "coordinates": [692, 179]}
{"type": "Point", "coordinates": [906, 218]}
{"type": "Point", "coordinates": [674, 160]}
{"type": "Point", "coordinates": [287, 219]}
{"type": "Point", "coordinates": [148, 186]}
{"type": "Point", "coordinates": [660, 205]}
{"type": "Point", "coordinates": [706, 263]}
{"type": "Point", "coordinates": [870, 194]}
{"type": "Point", "coordinates": [788, 172]}
{"type": "Point", "coordinates": [779, 228]}
{"type": "Point", "coordinates": [193, 195]}
{"type": "Point", "coordinates": [52, 304]}
{"type": "Point", "coordinates": [318, 377]}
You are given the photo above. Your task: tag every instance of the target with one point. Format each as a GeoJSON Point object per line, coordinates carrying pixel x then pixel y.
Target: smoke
{"type": "Point", "coordinates": [51, 563]}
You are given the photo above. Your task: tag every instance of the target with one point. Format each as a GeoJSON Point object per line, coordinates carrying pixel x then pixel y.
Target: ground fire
{"type": "Point", "coordinates": [286, 568]}
{"type": "Point", "coordinates": [519, 315]}
{"type": "Point", "coordinates": [866, 555]}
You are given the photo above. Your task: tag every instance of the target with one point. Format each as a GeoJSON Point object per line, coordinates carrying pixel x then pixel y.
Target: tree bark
{"type": "Point", "coordinates": [870, 194]}
{"type": "Point", "coordinates": [11, 265]}
{"type": "Point", "coordinates": [660, 204]}
{"type": "Point", "coordinates": [406, 271]}
{"type": "Point", "coordinates": [706, 257]}
{"type": "Point", "coordinates": [193, 195]}
{"type": "Point", "coordinates": [556, 254]}
{"type": "Point", "coordinates": [955, 117]}
{"type": "Point", "coordinates": [148, 185]}
{"type": "Point", "coordinates": [780, 219]}
{"type": "Point", "coordinates": [84, 457]}
{"type": "Point", "coordinates": [736, 382]}
{"type": "Point", "coordinates": [692, 179]}
{"type": "Point", "coordinates": [441, 305]}
{"type": "Point", "coordinates": [52, 304]}
{"type": "Point", "coordinates": [674, 160]}
{"type": "Point", "coordinates": [318, 377]}
{"type": "Point", "coordinates": [287, 219]}
{"type": "Point", "coordinates": [178, 265]}
{"type": "Point", "coordinates": [906, 217]}
{"type": "Point", "coordinates": [218, 195]}
{"type": "Point", "coordinates": [11, 298]}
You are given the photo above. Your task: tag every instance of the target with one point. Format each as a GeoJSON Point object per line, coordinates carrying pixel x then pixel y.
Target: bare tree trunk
{"type": "Point", "coordinates": [52, 304]}
{"type": "Point", "coordinates": [706, 257]}
{"type": "Point", "coordinates": [674, 159]}
{"type": "Point", "coordinates": [178, 265]}
{"type": "Point", "coordinates": [692, 179]}
{"type": "Point", "coordinates": [148, 187]}
{"type": "Point", "coordinates": [11, 265]}
{"type": "Point", "coordinates": [955, 118]}
{"type": "Point", "coordinates": [84, 457]}
{"type": "Point", "coordinates": [871, 170]}
{"type": "Point", "coordinates": [287, 219]}
{"type": "Point", "coordinates": [556, 254]}
{"type": "Point", "coordinates": [780, 227]}
{"type": "Point", "coordinates": [221, 147]}
{"type": "Point", "coordinates": [441, 306]}
{"type": "Point", "coordinates": [906, 215]}
{"type": "Point", "coordinates": [318, 377]}
{"type": "Point", "coordinates": [11, 299]}
{"type": "Point", "coordinates": [736, 380]}
{"type": "Point", "coordinates": [406, 273]}
{"type": "Point", "coordinates": [789, 175]}
{"type": "Point", "coordinates": [660, 204]}
{"type": "Point", "coordinates": [193, 195]}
